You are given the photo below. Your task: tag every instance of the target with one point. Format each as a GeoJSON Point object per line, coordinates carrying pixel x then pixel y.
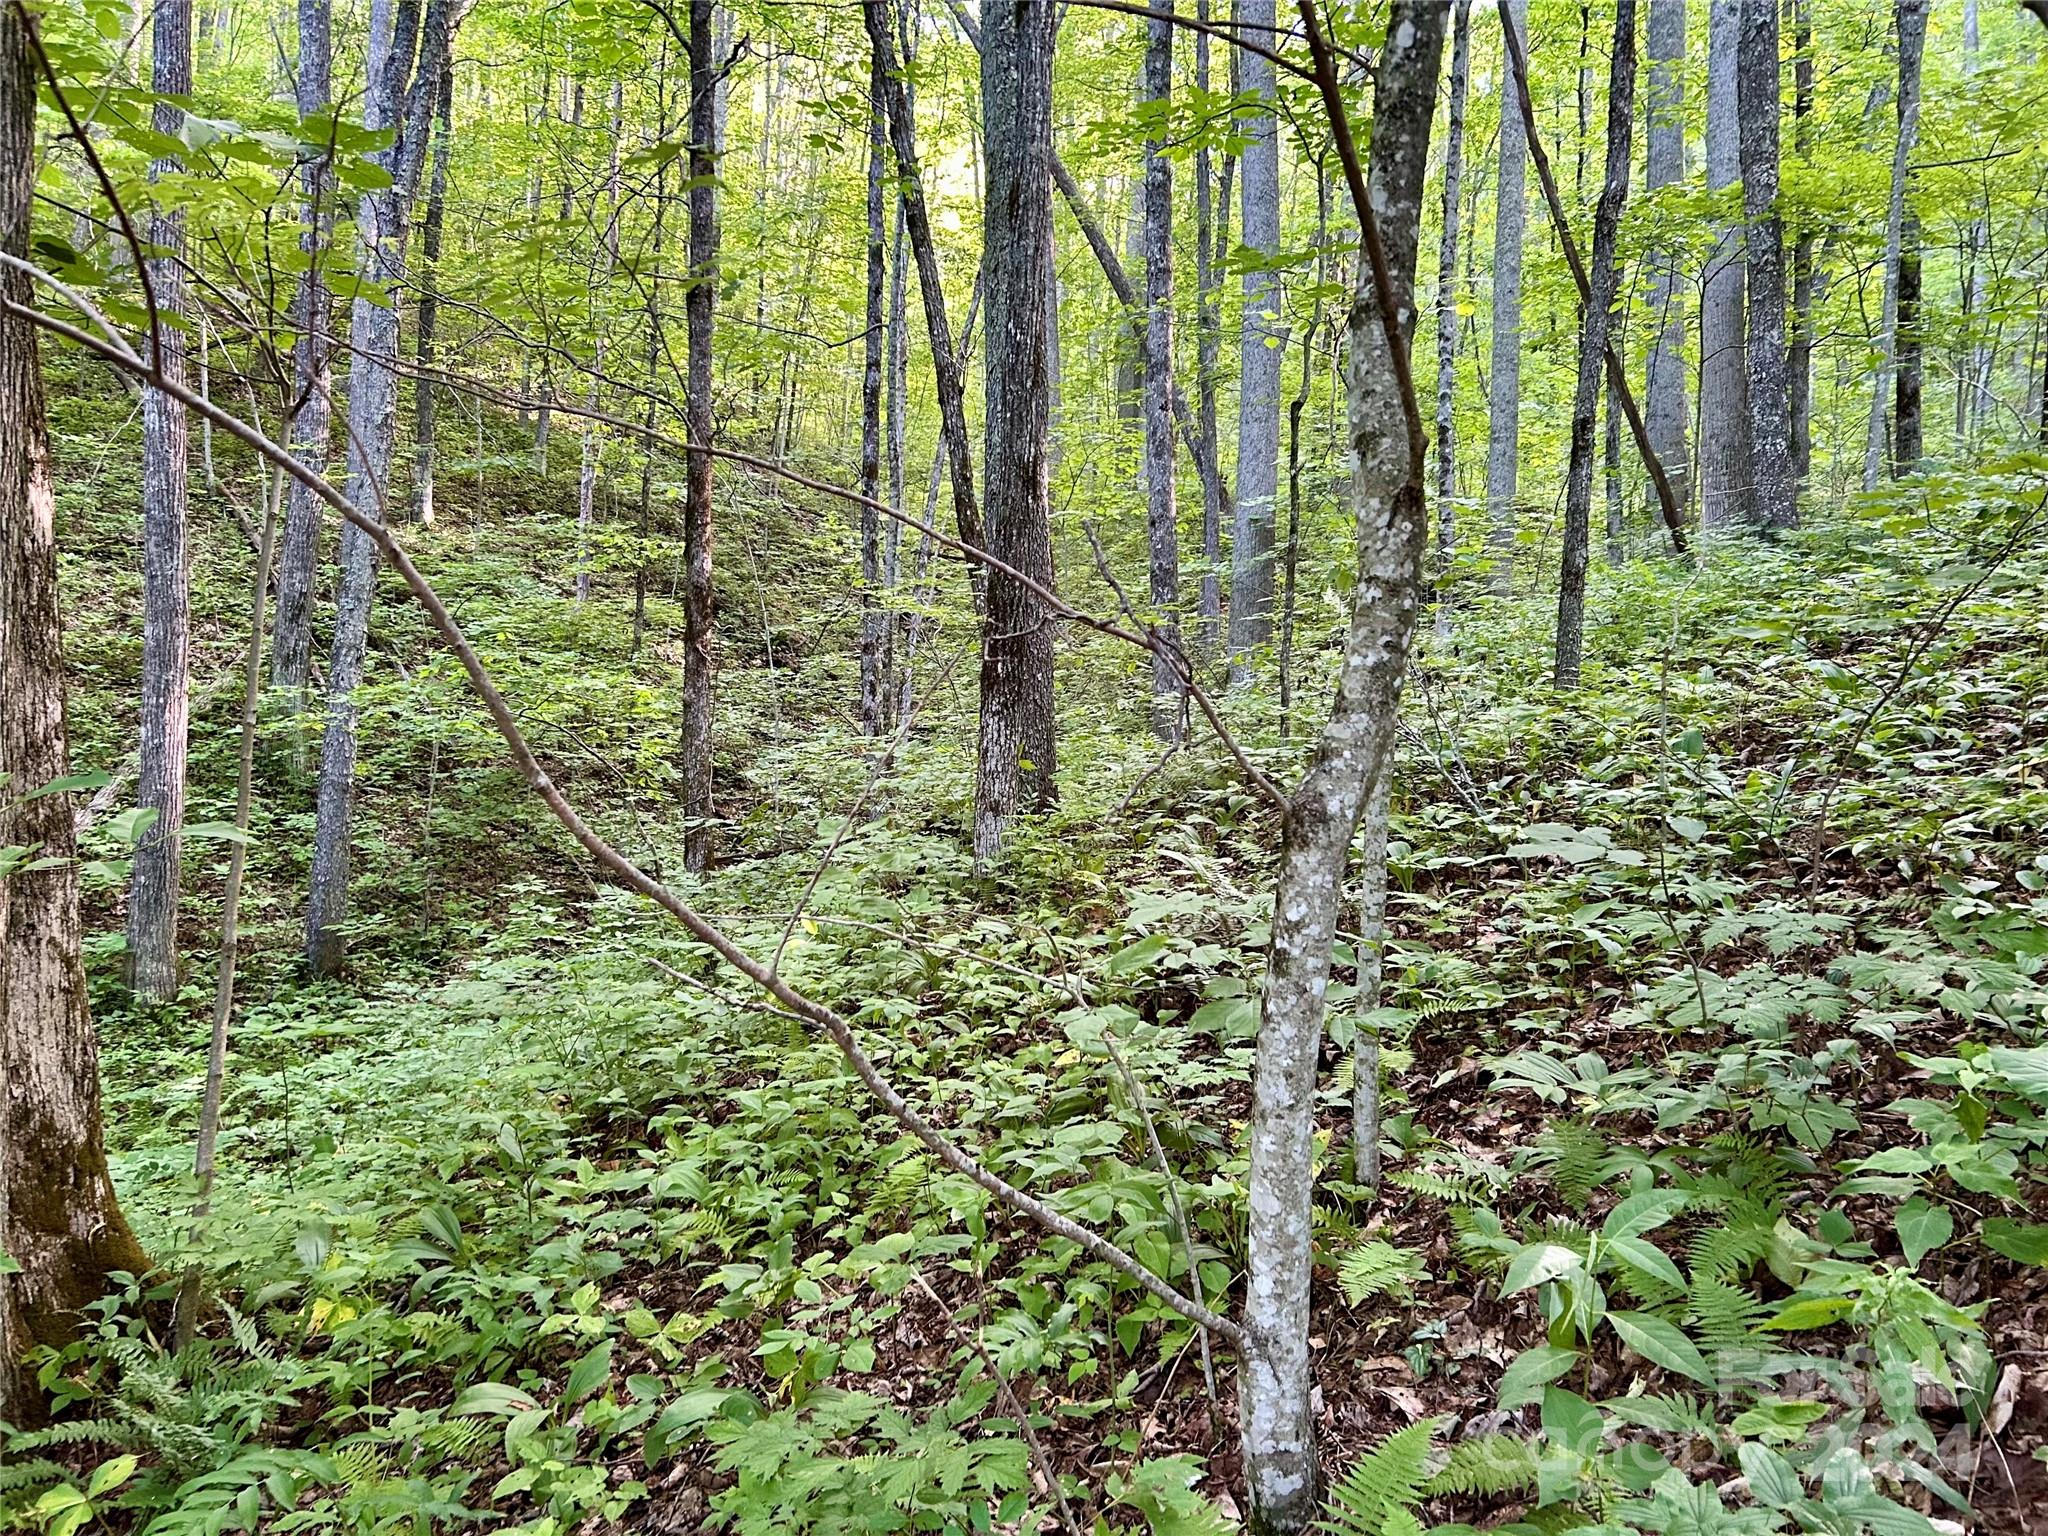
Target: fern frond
{"type": "Point", "coordinates": [1383, 1484]}
{"type": "Point", "coordinates": [1722, 1316]}
{"type": "Point", "coordinates": [1376, 1268]}
{"type": "Point", "coordinates": [27, 1474]}
{"type": "Point", "coordinates": [1486, 1464]}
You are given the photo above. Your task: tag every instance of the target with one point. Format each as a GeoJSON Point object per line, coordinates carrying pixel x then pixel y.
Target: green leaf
{"type": "Point", "coordinates": [1530, 1371]}
{"type": "Point", "coordinates": [2015, 1239]}
{"type": "Point", "coordinates": [1537, 1263]}
{"type": "Point", "coordinates": [1638, 1253]}
{"type": "Point", "coordinates": [1770, 1475]}
{"type": "Point", "coordinates": [1135, 957]}
{"type": "Point", "coordinates": [130, 825]}
{"type": "Point", "coordinates": [1571, 1422]}
{"type": "Point", "coordinates": [1922, 1229]}
{"type": "Point", "coordinates": [9, 1264]}
{"type": "Point", "coordinates": [1812, 1312]}
{"type": "Point", "coordinates": [492, 1397]}
{"type": "Point", "coordinates": [110, 1474]}
{"type": "Point", "coordinates": [1643, 1213]}
{"type": "Point", "coordinates": [71, 783]}
{"type": "Point", "coordinates": [1656, 1340]}
{"type": "Point", "coordinates": [217, 831]}
{"type": "Point", "coordinates": [589, 1373]}
{"type": "Point", "coordinates": [858, 1357]}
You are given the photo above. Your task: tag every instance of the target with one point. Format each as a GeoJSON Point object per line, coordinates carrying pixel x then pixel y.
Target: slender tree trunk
{"type": "Point", "coordinates": [1162, 516]}
{"type": "Point", "coordinates": [425, 391]}
{"type": "Point", "coordinates": [1594, 327]}
{"type": "Point", "coordinates": [898, 404]}
{"type": "Point", "coordinates": [1909, 386]}
{"type": "Point", "coordinates": [1664, 377]}
{"type": "Point", "coordinates": [1372, 953]}
{"type": "Point", "coordinates": [951, 384]}
{"type": "Point", "coordinates": [1617, 513]}
{"type": "Point", "coordinates": [1726, 498]}
{"type": "Point", "coordinates": [1323, 814]}
{"type": "Point", "coordinates": [1447, 314]}
{"type": "Point", "coordinates": [699, 313]}
{"type": "Point", "coordinates": [381, 224]}
{"type": "Point", "coordinates": [59, 1220]}
{"type": "Point", "coordinates": [1977, 401]}
{"type": "Point", "coordinates": [1504, 386]}
{"type": "Point", "coordinates": [1799, 353]}
{"type": "Point", "coordinates": [1260, 353]}
{"type": "Point", "coordinates": [166, 564]}
{"type": "Point", "coordinates": [1015, 769]}
{"type": "Point", "coordinates": [1911, 20]}
{"type": "Point", "coordinates": [590, 451]}
{"type": "Point", "coordinates": [1758, 90]}
{"type": "Point", "coordinates": [653, 358]}
{"type": "Point", "coordinates": [1209, 604]}
{"type": "Point", "coordinates": [875, 619]}
{"type": "Point", "coordinates": [1297, 408]}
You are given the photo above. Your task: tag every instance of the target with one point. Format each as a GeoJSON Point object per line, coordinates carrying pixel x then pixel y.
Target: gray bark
{"type": "Point", "coordinates": [382, 218]}
{"type": "Point", "coordinates": [1504, 386]}
{"type": "Point", "coordinates": [1262, 350]}
{"type": "Point", "coordinates": [1323, 813]}
{"type": "Point", "coordinates": [1372, 954]}
{"type": "Point", "coordinates": [700, 311]}
{"type": "Point", "coordinates": [1594, 328]}
{"type": "Point", "coordinates": [1911, 16]}
{"type": "Point", "coordinates": [1610, 456]}
{"type": "Point", "coordinates": [1162, 533]}
{"type": "Point", "coordinates": [58, 1216]}
{"type": "Point", "coordinates": [1015, 767]}
{"type": "Point", "coordinates": [1664, 379]}
{"type": "Point", "coordinates": [1799, 349]}
{"type": "Point", "coordinates": [1725, 474]}
{"type": "Point", "coordinates": [875, 621]}
{"type": "Point", "coordinates": [1209, 604]}
{"type": "Point", "coordinates": [166, 575]}
{"type": "Point", "coordinates": [1447, 309]}
{"type": "Point", "coordinates": [1974, 399]}
{"type": "Point", "coordinates": [1770, 396]}
{"type": "Point", "coordinates": [425, 391]}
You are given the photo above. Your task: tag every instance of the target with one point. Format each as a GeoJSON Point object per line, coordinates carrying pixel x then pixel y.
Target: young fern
{"type": "Point", "coordinates": [1376, 1268]}
{"type": "Point", "coordinates": [1378, 1495]}
{"type": "Point", "coordinates": [1486, 1465]}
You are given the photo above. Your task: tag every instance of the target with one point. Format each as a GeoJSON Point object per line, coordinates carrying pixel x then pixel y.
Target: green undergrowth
{"type": "Point", "coordinates": [1716, 1097]}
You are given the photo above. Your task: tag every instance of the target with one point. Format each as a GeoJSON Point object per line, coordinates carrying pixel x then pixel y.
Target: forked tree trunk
{"type": "Point", "coordinates": [1323, 813]}
{"type": "Point", "coordinates": [1770, 395]}
{"type": "Point", "coordinates": [1504, 384]}
{"type": "Point", "coordinates": [1664, 379]}
{"type": "Point", "coordinates": [1260, 353]}
{"type": "Point", "coordinates": [1015, 768]}
{"type": "Point", "coordinates": [699, 314]}
{"type": "Point", "coordinates": [1725, 474]}
{"type": "Point", "coordinates": [58, 1217]}
{"type": "Point", "coordinates": [291, 637]}
{"type": "Point", "coordinates": [1594, 327]}
{"type": "Point", "coordinates": [1911, 18]}
{"type": "Point", "coordinates": [1447, 312]}
{"type": "Point", "coordinates": [381, 224]}
{"type": "Point", "coordinates": [166, 575]}
{"type": "Point", "coordinates": [1162, 533]}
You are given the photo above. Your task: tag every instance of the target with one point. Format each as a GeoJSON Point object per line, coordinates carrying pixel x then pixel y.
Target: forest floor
{"type": "Point", "coordinates": [1715, 1119]}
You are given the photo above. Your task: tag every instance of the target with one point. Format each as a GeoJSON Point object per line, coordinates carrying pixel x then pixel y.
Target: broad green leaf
{"type": "Point", "coordinates": [492, 1397]}
{"type": "Point", "coordinates": [1530, 1371]}
{"type": "Point", "coordinates": [1656, 1340]}
{"type": "Point", "coordinates": [2015, 1239]}
{"type": "Point", "coordinates": [1640, 1253]}
{"type": "Point", "coordinates": [1812, 1312]}
{"type": "Point", "coordinates": [1770, 1475]}
{"type": "Point", "coordinates": [1537, 1263]}
{"type": "Point", "coordinates": [1643, 1213]}
{"type": "Point", "coordinates": [589, 1373]}
{"type": "Point", "coordinates": [1922, 1229]}
{"type": "Point", "coordinates": [1570, 1421]}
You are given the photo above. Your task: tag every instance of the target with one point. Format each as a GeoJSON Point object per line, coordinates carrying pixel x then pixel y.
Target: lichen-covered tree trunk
{"type": "Point", "coordinates": [1162, 532]}
{"type": "Point", "coordinates": [1015, 759]}
{"type": "Point", "coordinates": [1209, 602]}
{"type": "Point", "coordinates": [291, 636]}
{"type": "Point", "coordinates": [382, 218]}
{"type": "Point", "coordinates": [1911, 20]}
{"type": "Point", "coordinates": [1758, 89]}
{"type": "Point", "coordinates": [1447, 307]}
{"type": "Point", "coordinates": [1323, 813]}
{"type": "Point", "coordinates": [152, 927]}
{"type": "Point", "coordinates": [1799, 345]}
{"type": "Point", "coordinates": [700, 309]}
{"type": "Point", "coordinates": [874, 614]}
{"type": "Point", "coordinates": [1725, 474]}
{"type": "Point", "coordinates": [1504, 385]}
{"type": "Point", "coordinates": [58, 1217]}
{"type": "Point", "coordinates": [1664, 399]}
{"type": "Point", "coordinates": [1594, 328]}
{"type": "Point", "coordinates": [1260, 353]}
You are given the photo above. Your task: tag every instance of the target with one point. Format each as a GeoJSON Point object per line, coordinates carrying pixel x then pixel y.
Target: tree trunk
{"type": "Point", "coordinates": [1909, 385]}
{"type": "Point", "coordinates": [699, 314]}
{"type": "Point", "coordinates": [1209, 604]}
{"type": "Point", "coordinates": [1664, 376]}
{"type": "Point", "coordinates": [951, 385]}
{"type": "Point", "coordinates": [291, 638]}
{"type": "Point", "coordinates": [1261, 351]}
{"type": "Point", "coordinates": [1799, 352]}
{"type": "Point", "coordinates": [1975, 400]}
{"type": "Point", "coordinates": [1162, 532]}
{"type": "Point", "coordinates": [425, 391]}
{"type": "Point", "coordinates": [1447, 312]}
{"type": "Point", "coordinates": [1770, 396]}
{"type": "Point", "coordinates": [1015, 761]}
{"type": "Point", "coordinates": [382, 218]}
{"type": "Point", "coordinates": [1504, 387]}
{"type": "Point", "coordinates": [1725, 487]}
{"type": "Point", "coordinates": [1911, 20]}
{"type": "Point", "coordinates": [1617, 513]}
{"type": "Point", "coordinates": [1323, 814]}
{"type": "Point", "coordinates": [58, 1217]}
{"type": "Point", "coordinates": [874, 614]}
{"type": "Point", "coordinates": [166, 564]}
{"type": "Point", "coordinates": [1594, 327]}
